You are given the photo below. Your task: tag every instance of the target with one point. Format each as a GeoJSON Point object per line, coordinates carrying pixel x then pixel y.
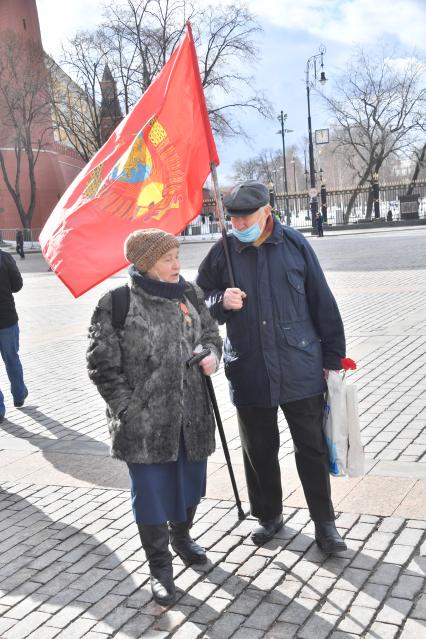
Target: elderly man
{"type": "Point", "coordinates": [284, 333]}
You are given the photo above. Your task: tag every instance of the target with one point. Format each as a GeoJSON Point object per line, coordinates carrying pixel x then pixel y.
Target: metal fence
{"type": "Point", "coordinates": [294, 210]}
{"type": "Point", "coordinates": [30, 236]}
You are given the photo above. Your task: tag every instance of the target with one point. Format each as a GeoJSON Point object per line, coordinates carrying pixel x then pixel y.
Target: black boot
{"type": "Point", "coordinates": [155, 542]}
{"type": "Point", "coordinates": [183, 544]}
{"type": "Point", "coordinates": [327, 537]}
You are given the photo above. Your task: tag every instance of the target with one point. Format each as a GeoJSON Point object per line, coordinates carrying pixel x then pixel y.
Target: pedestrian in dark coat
{"type": "Point", "coordinates": [10, 282]}
{"type": "Point", "coordinates": [158, 411]}
{"type": "Point", "coordinates": [319, 222]}
{"type": "Point", "coordinates": [284, 332]}
{"type": "Point", "coordinates": [20, 244]}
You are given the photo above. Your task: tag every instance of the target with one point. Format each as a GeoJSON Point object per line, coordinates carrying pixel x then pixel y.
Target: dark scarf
{"type": "Point", "coordinates": [168, 290]}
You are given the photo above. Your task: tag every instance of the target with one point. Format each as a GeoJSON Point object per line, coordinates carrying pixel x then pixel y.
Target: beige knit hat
{"type": "Point", "coordinates": [144, 247]}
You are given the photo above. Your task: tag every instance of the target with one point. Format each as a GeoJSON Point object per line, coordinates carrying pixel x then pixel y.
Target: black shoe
{"type": "Point", "coordinates": [183, 544]}
{"type": "Point", "coordinates": [327, 537]}
{"type": "Point", "coordinates": [18, 403]}
{"type": "Point", "coordinates": [266, 530]}
{"type": "Point", "coordinates": [162, 585]}
{"type": "Point", "coordinates": [189, 551]}
{"type": "Point", "coordinates": [1, 418]}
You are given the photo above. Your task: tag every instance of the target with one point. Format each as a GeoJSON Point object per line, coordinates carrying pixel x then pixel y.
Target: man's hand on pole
{"type": "Point", "coordinates": [233, 299]}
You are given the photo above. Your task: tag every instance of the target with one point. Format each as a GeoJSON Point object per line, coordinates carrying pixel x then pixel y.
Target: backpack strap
{"type": "Point", "coordinates": [191, 295]}
{"type": "Point", "coordinates": [120, 305]}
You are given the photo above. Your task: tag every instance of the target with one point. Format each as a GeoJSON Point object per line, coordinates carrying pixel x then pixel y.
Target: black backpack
{"type": "Point", "coordinates": [121, 302]}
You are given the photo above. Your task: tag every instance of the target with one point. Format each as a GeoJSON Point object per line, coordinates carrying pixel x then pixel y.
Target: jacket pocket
{"type": "Point", "coordinates": [301, 339]}
{"type": "Point", "coordinates": [296, 281]}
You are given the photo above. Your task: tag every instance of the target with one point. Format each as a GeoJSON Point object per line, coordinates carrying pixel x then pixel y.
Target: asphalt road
{"type": "Point", "coordinates": [396, 250]}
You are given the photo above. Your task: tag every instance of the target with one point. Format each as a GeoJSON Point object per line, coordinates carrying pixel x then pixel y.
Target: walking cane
{"type": "Point", "coordinates": [207, 380]}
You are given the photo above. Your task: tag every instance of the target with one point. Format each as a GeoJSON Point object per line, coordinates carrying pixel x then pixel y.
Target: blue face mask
{"type": "Point", "coordinates": [248, 235]}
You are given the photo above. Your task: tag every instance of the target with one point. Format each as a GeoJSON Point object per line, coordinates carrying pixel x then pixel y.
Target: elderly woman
{"type": "Point", "coordinates": [159, 416]}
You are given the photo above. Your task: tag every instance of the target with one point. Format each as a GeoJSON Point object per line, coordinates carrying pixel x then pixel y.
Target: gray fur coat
{"type": "Point", "coordinates": [140, 372]}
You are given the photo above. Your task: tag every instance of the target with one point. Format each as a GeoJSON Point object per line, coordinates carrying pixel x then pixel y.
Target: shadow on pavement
{"type": "Point", "coordinates": [70, 452]}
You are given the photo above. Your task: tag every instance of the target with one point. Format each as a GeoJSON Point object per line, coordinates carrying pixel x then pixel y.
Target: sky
{"type": "Point", "coordinates": [293, 31]}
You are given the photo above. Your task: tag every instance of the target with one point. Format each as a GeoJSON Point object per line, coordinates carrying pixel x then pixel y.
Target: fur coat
{"type": "Point", "coordinates": [140, 372]}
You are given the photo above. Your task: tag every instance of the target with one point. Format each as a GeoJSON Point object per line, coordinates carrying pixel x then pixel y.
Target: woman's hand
{"type": "Point", "coordinates": [209, 364]}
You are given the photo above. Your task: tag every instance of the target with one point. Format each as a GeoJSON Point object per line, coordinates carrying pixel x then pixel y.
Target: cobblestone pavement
{"type": "Point", "coordinates": [70, 559]}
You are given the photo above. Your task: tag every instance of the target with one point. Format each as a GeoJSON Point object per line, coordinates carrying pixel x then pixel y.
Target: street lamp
{"type": "Point", "coordinates": [312, 64]}
{"type": "Point", "coordinates": [282, 118]}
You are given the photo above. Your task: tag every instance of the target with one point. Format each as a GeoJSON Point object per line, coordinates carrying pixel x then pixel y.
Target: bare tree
{"type": "Point", "coordinates": [75, 90]}
{"type": "Point", "coordinates": [377, 108]}
{"type": "Point", "coordinates": [135, 39]}
{"type": "Point", "coordinates": [25, 119]}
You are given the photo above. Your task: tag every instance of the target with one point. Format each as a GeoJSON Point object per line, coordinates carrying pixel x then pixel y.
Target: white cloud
{"type": "Point", "coordinates": [350, 21]}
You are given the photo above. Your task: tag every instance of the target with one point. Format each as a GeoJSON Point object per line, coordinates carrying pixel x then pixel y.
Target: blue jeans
{"type": "Point", "coordinates": [9, 347]}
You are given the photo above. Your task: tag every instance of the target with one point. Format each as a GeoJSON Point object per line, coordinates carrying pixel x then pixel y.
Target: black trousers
{"type": "Point", "coordinates": [261, 441]}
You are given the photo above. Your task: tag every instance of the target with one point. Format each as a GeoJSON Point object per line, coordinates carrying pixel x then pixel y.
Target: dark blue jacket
{"type": "Point", "coordinates": [289, 328]}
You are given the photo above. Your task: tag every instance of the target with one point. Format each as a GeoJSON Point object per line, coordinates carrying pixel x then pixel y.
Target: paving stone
{"type": "Point", "coordinates": [337, 601]}
{"type": "Point", "coordinates": [407, 587]}
{"type": "Point", "coordinates": [280, 630]}
{"type": "Point", "coordinates": [360, 531]}
{"type": "Point", "coordinates": [210, 610]}
{"type": "Point", "coordinates": [380, 541]}
{"type": "Point", "coordinates": [319, 626]}
{"type": "Point", "coordinates": [135, 628]}
{"type": "Point", "coordinates": [398, 554]}
{"type": "Point", "coordinates": [371, 595]}
{"type": "Point", "coordinates": [247, 633]}
{"type": "Point", "coordinates": [352, 579]}
{"type": "Point", "coordinates": [25, 626]}
{"type": "Point", "coordinates": [44, 632]}
{"type": "Point", "coordinates": [316, 587]}
{"type": "Point", "coordinates": [77, 629]}
{"type": "Point", "coordinates": [409, 537]}
{"type": "Point", "coordinates": [225, 626]}
{"type": "Point", "coordinates": [298, 610]}
{"type": "Point", "coordinates": [262, 617]}
{"type": "Point", "coordinates": [267, 579]}
{"type": "Point", "coordinates": [173, 617]}
{"type": "Point", "coordinates": [419, 611]}
{"type": "Point", "coordinates": [394, 611]}
{"type": "Point", "coordinates": [252, 566]}
{"type": "Point", "coordinates": [413, 628]}
{"type": "Point", "coordinates": [189, 630]}
{"type": "Point", "coordinates": [383, 631]}
{"type": "Point", "coordinates": [356, 619]}
{"type": "Point", "coordinates": [385, 574]}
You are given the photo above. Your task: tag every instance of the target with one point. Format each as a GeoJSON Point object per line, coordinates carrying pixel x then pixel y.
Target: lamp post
{"type": "Point", "coordinates": [282, 118]}
{"type": "Point", "coordinates": [293, 162]}
{"type": "Point", "coordinates": [312, 64]}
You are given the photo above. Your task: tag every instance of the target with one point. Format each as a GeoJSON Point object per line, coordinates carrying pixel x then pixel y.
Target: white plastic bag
{"type": "Point", "coordinates": [355, 461]}
{"type": "Point", "coordinates": [335, 423]}
{"type": "Point", "coordinates": [341, 428]}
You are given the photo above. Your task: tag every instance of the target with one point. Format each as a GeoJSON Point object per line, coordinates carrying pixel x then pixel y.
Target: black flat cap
{"type": "Point", "coordinates": [246, 198]}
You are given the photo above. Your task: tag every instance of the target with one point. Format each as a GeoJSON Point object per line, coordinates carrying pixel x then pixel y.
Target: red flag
{"type": "Point", "coordinates": [149, 173]}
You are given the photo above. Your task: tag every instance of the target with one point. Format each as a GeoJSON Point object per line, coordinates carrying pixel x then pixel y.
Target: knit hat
{"type": "Point", "coordinates": [145, 246]}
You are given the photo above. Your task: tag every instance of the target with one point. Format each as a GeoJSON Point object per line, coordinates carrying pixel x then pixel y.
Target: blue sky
{"type": "Point", "coordinates": [293, 31]}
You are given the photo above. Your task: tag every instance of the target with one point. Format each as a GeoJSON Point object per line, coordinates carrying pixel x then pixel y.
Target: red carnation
{"type": "Point", "coordinates": [348, 364]}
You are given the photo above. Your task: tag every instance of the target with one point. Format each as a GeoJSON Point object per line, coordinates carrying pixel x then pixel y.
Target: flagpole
{"type": "Point", "coordinates": [221, 219]}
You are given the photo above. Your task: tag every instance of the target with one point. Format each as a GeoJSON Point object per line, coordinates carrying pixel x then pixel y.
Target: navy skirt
{"type": "Point", "coordinates": [163, 492]}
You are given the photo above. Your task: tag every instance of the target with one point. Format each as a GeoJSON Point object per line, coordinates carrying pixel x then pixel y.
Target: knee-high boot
{"type": "Point", "coordinates": [183, 544]}
{"type": "Point", "coordinates": [155, 542]}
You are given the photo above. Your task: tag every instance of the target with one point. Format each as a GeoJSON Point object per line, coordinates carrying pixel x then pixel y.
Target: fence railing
{"type": "Point", "coordinates": [294, 210]}
{"type": "Point", "coordinates": [30, 236]}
